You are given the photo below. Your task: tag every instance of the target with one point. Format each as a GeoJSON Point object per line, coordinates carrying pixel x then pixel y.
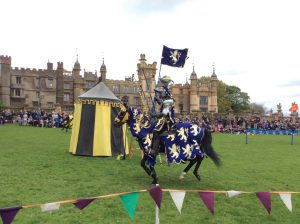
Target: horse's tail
{"type": "Point", "coordinates": [208, 149]}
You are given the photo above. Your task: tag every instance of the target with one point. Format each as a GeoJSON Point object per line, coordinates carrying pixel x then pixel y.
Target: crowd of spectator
{"type": "Point", "coordinates": [34, 118]}
{"type": "Point", "coordinates": [239, 125]}
{"type": "Point", "coordinates": [223, 125]}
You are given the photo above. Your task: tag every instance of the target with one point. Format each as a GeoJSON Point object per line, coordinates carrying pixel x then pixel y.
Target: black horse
{"type": "Point", "coordinates": [190, 143]}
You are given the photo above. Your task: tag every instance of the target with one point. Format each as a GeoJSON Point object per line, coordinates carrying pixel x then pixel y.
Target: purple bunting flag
{"type": "Point", "coordinates": [8, 214]}
{"type": "Point", "coordinates": [265, 198]}
{"type": "Point", "coordinates": [209, 200]}
{"type": "Point", "coordinates": [82, 203]}
{"type": "Point", "coordinates": [156, 194]}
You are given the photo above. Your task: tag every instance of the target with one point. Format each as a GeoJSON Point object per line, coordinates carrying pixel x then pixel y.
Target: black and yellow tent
{"type": "Point", "coordinates": [93, 131]}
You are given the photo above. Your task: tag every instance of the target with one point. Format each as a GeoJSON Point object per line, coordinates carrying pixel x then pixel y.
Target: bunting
{"type": "Point", "coordinates": [156, 194]}
{"type": "Point", "coordinates": [209, 200]}
{"type": "Point", "coordinates": [265, 199]}
{"type": "Point", "coordinates": [287, 200]}
{"type": "Point", "coordinates": [178, 197]}
{"type": "Point", "coordinates": [8, 214]}
{"type": "Point", "coordinates": [130, 201]}
{"type": "Point", "coordinates": [49, 207]}
{"type": "Point", "coordinates": [82, 203]}
{"type": "Point", "coordinates": [233, 193]}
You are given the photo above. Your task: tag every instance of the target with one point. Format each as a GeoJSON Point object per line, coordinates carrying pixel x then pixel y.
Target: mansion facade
{"type": "Point", "coordinates": [46, 89]}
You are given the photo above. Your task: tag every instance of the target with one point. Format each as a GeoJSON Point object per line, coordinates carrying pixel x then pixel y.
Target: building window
{"type": "Point", "coordinates": [50, 81]}
{"type": "Point", "coordinates": [50, 104]}
{"type": "Point", "coordinates": [89, 85]}
{"type": "Point", "coordinates": [136, 101]}
{"type": "Point", "coordinates": [148, 84]}
{"type": "Point", "coordinates": [181, 91]}
{"type": "Point", "coordinates": [38, 95]}
{"type": "Point", "coordinates": [38, 82]}
{"type": "Point", "coordinates": [18, 80]}
{"type": "Point", "coordinates": [125, 89]}
{"type": "Point", "coordinates": [204, 100]}
{"type": "Point", "coordinates": [115, 89]}
{"type": "Point", "coordinates": [135, 89]}
{"type": "Point", "coordinates": [180, 108]}
{"type": "Point", "coordinates": [35, 103]}
{"type": "Point", "coordinates": [67, 97]}
{"type": "Point", "coordinates": [17, 92]}
{"type": "Point", "coordinates": [66, 85]}
{"type": "Point", "coordinates": [203, 109]}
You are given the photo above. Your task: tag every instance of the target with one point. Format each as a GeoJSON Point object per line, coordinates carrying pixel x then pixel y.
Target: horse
{"type": "Point", "coordinates": [189, 143]}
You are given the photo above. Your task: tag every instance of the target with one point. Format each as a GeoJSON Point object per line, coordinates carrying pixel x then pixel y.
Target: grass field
{"type": "Point", "coordinates": [36, 168]}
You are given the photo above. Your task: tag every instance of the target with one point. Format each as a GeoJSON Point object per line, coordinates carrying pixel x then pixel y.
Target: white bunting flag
{"type": "Point", "coordinates": [178, 197]}
{"type": "Point", "coordinates": [50, 207]}
{"type": "Point", "coordinates": [233, 193]}
{"type": "Point", "coordinates": [286, 198]}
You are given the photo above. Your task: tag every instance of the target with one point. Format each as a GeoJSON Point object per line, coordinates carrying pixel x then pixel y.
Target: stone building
{"type": "Point", "coordinates": [45, 89]}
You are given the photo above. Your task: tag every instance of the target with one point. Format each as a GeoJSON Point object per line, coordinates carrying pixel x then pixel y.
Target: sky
{"type": "Point", "coordinates": [254, 44]}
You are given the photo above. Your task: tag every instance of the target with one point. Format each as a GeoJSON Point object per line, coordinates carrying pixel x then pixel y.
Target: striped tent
{"type": "Point", "coordinates": [93, 131]}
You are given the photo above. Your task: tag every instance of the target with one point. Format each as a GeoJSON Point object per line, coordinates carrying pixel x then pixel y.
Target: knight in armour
{"type": "Point", "coordinates": [166, 116]}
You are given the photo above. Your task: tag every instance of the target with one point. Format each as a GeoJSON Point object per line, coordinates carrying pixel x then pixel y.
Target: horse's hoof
{"type": "Point", "coordinates": [155, 182]}
{"type": "Point", "coordinates": [197, 176]}
{"type": "Point", "coordinates": [182, 176]}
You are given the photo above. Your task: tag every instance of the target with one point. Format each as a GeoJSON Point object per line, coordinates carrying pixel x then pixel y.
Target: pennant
{"type": "Point", "coordinates": [50, 207]}
{"type": "Point", "coordinates": [156, 194]}
{"type": "Point", "coordinates": [130, 201]}
{"type": "Point", "coordinates": [286, 198]}
{"type": "Point", "coordinates": [174, 57]}
{"type": "Point", "coordinates": [82, 203]}
{"type": "Point", "coordinates": [209, 200]}
{"type": "Point", "coordinates": [265, 198]}
{"type": "Point", "coordinates": [233, 193]}
{"type": "Point", "coordinates": [178, 197]}
{"type": "Point", "coordinates": [8, 214]}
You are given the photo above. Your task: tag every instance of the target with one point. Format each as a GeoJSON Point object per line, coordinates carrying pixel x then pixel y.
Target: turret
{"type": "Point", "coordinates": [76, 68]}
{"type": "Point", "coordinates": [5, 67]}
{"type": "Point", "coordinates": [103, 71]}
{"type": "Point", "coordinates": [60, 83]}
{"type": "Point", "coordinates": [146, 75]}
{"type": "Point", "coordinates": [49, 66]}
{"type": "Point", "coordinates": [194, 102]}
{"type": "Point", "coordinates": [214, 91]}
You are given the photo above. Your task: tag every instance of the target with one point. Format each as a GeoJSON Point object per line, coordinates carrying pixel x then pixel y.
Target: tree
{"type": "Point", "coordinates": [224, 104]}
{"type": "Point", "coordinates": [254, 107]}
{"type": "Point", "coordinates": [231, 97]}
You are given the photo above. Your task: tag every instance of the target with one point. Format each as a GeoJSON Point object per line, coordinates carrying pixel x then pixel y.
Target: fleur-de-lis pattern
{"type": "Point", "coordinates": [179, 147]}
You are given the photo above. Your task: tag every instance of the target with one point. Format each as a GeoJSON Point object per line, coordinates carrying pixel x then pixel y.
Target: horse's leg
{"type": "Point", "coordinates": [143, 164]}
{"type": "Point", "coordinates": [153, 175]}
{"type": "Point", "coordinates": [195, 172]}
{"type": "Point", "coordinates": [189, 166]}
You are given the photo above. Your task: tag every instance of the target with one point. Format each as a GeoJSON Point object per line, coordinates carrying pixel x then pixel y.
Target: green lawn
{"type": "Point", "coordinates": [36, 168]}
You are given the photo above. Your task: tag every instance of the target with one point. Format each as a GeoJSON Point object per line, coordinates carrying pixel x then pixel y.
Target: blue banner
{"type": "Point", "coordinates": [174, 57]}
{"type": "Point", "coordinates": [272, 132]}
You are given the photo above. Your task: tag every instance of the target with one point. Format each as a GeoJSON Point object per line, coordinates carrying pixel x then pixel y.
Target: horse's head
{"type": "Point", "coordinates": [123, 115]}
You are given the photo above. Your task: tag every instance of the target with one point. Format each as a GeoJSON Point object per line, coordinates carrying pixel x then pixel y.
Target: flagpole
{"type": "Point", "coordinates": [153, 102]}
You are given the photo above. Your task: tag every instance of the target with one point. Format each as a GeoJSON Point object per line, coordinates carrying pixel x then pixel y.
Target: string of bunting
{"type": "Point", "coordinates": [130, 199]}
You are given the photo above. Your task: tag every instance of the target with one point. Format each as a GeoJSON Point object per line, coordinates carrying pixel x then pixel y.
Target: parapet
{"type": "Point", "coordinates": [5, 59]}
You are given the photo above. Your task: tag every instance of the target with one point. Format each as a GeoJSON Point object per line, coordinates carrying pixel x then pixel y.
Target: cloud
{"type": "Point", "coordinates": [290, 84]}
{"type": "Point", "coordinates": [146, 7]}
